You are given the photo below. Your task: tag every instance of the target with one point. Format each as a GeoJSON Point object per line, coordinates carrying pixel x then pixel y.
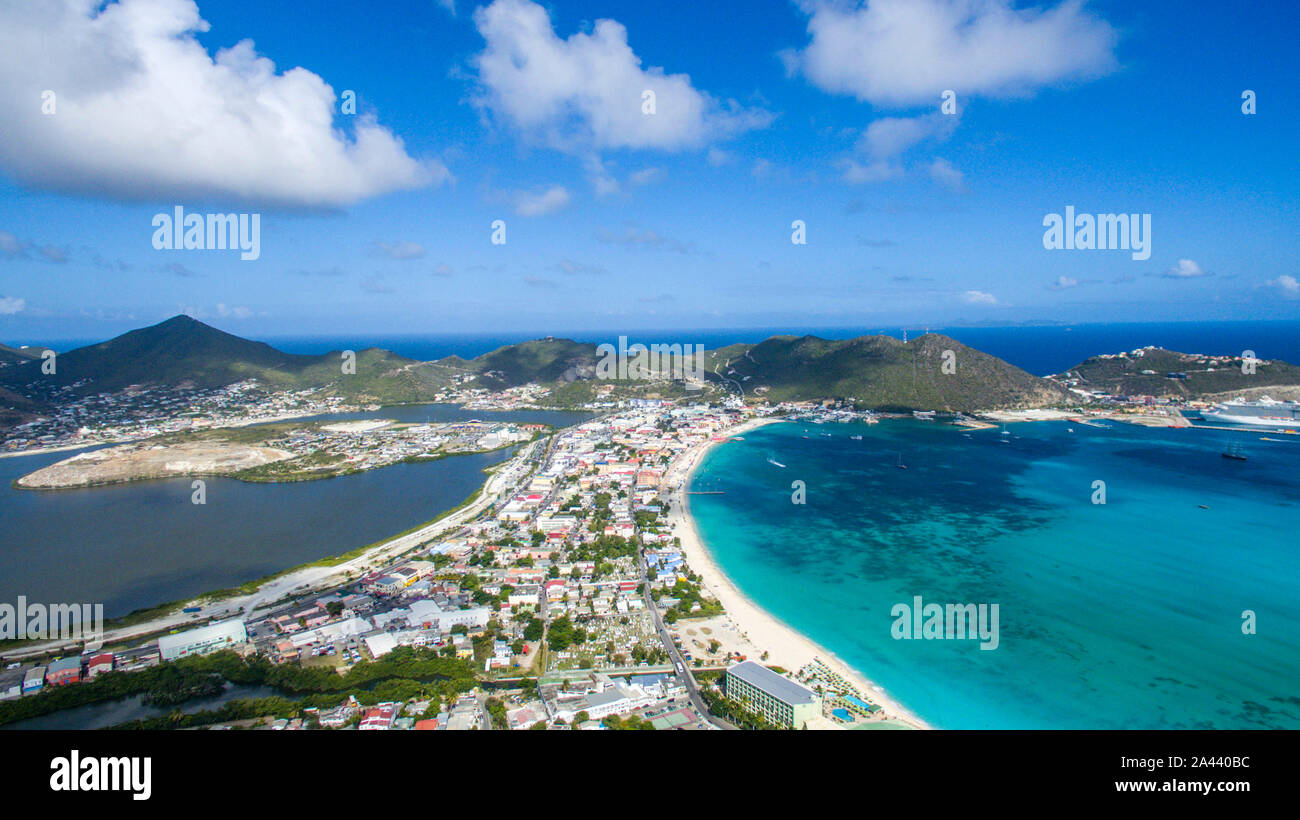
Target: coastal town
{"type": "Point", "coordinates": [573, 591]}
{"type": "Point", "coordinates": [141, 412]}
{"type": "Point", "coordinates": [580, 597]}
{"type": "Point", "coordinates": [924, 374]}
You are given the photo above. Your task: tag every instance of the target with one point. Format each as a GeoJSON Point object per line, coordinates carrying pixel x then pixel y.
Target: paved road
{"type": "Point", "coordinates": [675, 653]}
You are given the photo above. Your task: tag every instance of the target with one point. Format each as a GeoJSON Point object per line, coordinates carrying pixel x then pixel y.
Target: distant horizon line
{"type": "Point", "coordinates": [575, 335]}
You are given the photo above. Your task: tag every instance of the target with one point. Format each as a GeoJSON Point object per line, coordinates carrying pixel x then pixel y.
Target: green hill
{"type": "Point", "coordinates": [875, 371]}
{"type": "Point", "coordinates": [184, 351]}
{"type": "Point", "coordinates": [1150, 374]}
{"type": "Point", "coordinates": [541, 361]}
{"type": "Point", "coordinates": [178, 351]}
{"type": "Point", "coordinates": [879, 372]}
{"type": "Point", "coordinates": [18, 355]}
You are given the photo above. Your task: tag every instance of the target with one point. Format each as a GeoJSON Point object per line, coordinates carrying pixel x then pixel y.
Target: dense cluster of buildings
{"type": "Point", "coordinates": [18, 680]}
{"type": "Point", "coordinates": [365, 445]}
{"type": "Point", "coordinates": [575, 563]}
{"type": "Point", "coordinates": [139, 412]}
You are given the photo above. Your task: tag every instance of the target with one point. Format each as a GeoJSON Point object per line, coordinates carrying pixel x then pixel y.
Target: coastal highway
{"type": "Point", "coordinates": [503, 481]}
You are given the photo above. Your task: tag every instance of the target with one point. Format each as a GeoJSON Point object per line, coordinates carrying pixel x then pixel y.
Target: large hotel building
{"type": "Point", "coordinates": [777, 698]}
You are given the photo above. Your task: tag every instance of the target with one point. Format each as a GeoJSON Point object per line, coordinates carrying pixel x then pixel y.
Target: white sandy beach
{"type": "Point", "coordinates": [785, 647]}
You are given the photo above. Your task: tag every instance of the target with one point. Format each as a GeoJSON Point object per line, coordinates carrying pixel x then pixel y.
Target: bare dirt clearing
{"type": "Point", "coordinates": [135, 462]}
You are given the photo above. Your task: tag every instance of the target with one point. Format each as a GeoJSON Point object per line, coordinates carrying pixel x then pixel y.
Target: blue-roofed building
{"type": "Point", "coordinates": [63, 671]}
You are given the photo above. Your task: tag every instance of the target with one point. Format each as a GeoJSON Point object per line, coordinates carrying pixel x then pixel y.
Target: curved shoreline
{"type": "Point", "coordinates": [786, 646]}
{"type": "Point", "coordinates": [242, 474]}
{"type": "Point", "coordinates": [243, 600]}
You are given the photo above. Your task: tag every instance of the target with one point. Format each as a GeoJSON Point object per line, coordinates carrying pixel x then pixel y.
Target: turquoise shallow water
{"type": "Point", "coordinates": [1122, 615]}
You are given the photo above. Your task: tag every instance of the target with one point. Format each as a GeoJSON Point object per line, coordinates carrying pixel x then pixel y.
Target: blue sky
{"type": "Point", "coordinates": [766, 112]}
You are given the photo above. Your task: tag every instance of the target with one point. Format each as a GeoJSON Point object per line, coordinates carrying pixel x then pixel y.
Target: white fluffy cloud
{"type": "Point", "coordinates": [1185, 269]}
{"type": "Point", "coordinates": [1287, 284]}
{"type": "Point", "coordinates": [904, 52]}
{"type": "Point", "coordinates": [543, 202]}
{"type": "Point", "coordinates": [143, 111]}
{"type": "Point", "coordinates": [979, 297]}
{"type": "Point", "coordinates": [585, 92]}
{"type": "Point", "coordinates": [888, 137]}
{"type": "Point", "coordinates": [233, 311]}
{"type": "Point", "coordinates": [9, 305]}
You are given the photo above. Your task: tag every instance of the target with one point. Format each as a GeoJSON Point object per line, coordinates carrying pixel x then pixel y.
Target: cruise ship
{"type": "Point", "coordinates": [1263, 413]}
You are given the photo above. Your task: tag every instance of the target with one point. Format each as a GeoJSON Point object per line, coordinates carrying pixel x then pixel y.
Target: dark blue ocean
{"type": "Point", "coordinates": [1125, 614]}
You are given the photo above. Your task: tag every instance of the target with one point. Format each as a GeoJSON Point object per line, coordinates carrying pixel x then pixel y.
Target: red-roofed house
{"type": "Point", "coordinates": [99, 664]}
{"type": "Point", "coordinates": [380, 717]}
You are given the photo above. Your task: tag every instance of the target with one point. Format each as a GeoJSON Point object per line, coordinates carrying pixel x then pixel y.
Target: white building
{"type": "Point", "coordinates": [380, 644]}
{"type": "Point", "coordinates": [329, 633]}
{"type": "Point", "coordinates": [211, 638]}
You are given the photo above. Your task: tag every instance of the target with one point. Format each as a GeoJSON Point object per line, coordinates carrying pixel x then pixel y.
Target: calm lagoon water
{"type": "Point", "coordinates": [143, 543]}
{"type": "Point", "coordinates": [1122, 615]}
{"type": "Point", "coordinates": [103, 715]}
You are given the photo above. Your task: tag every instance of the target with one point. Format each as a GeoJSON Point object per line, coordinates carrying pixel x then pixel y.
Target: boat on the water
{"type": "Point", "coordinates": [1234, 452]}
{"type": "Point", "coordinates": [777, 463]}
{"type": "Point", "coordinates": [1263, 413]}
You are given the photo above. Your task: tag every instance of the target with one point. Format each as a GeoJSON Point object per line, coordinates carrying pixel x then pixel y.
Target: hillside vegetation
{"type": "Point", "coordinates": [880, 372]}
{"type": "Point", "coordinates": [1207, 376]}
{"type": "Point", "coordinates": [877, 372]}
